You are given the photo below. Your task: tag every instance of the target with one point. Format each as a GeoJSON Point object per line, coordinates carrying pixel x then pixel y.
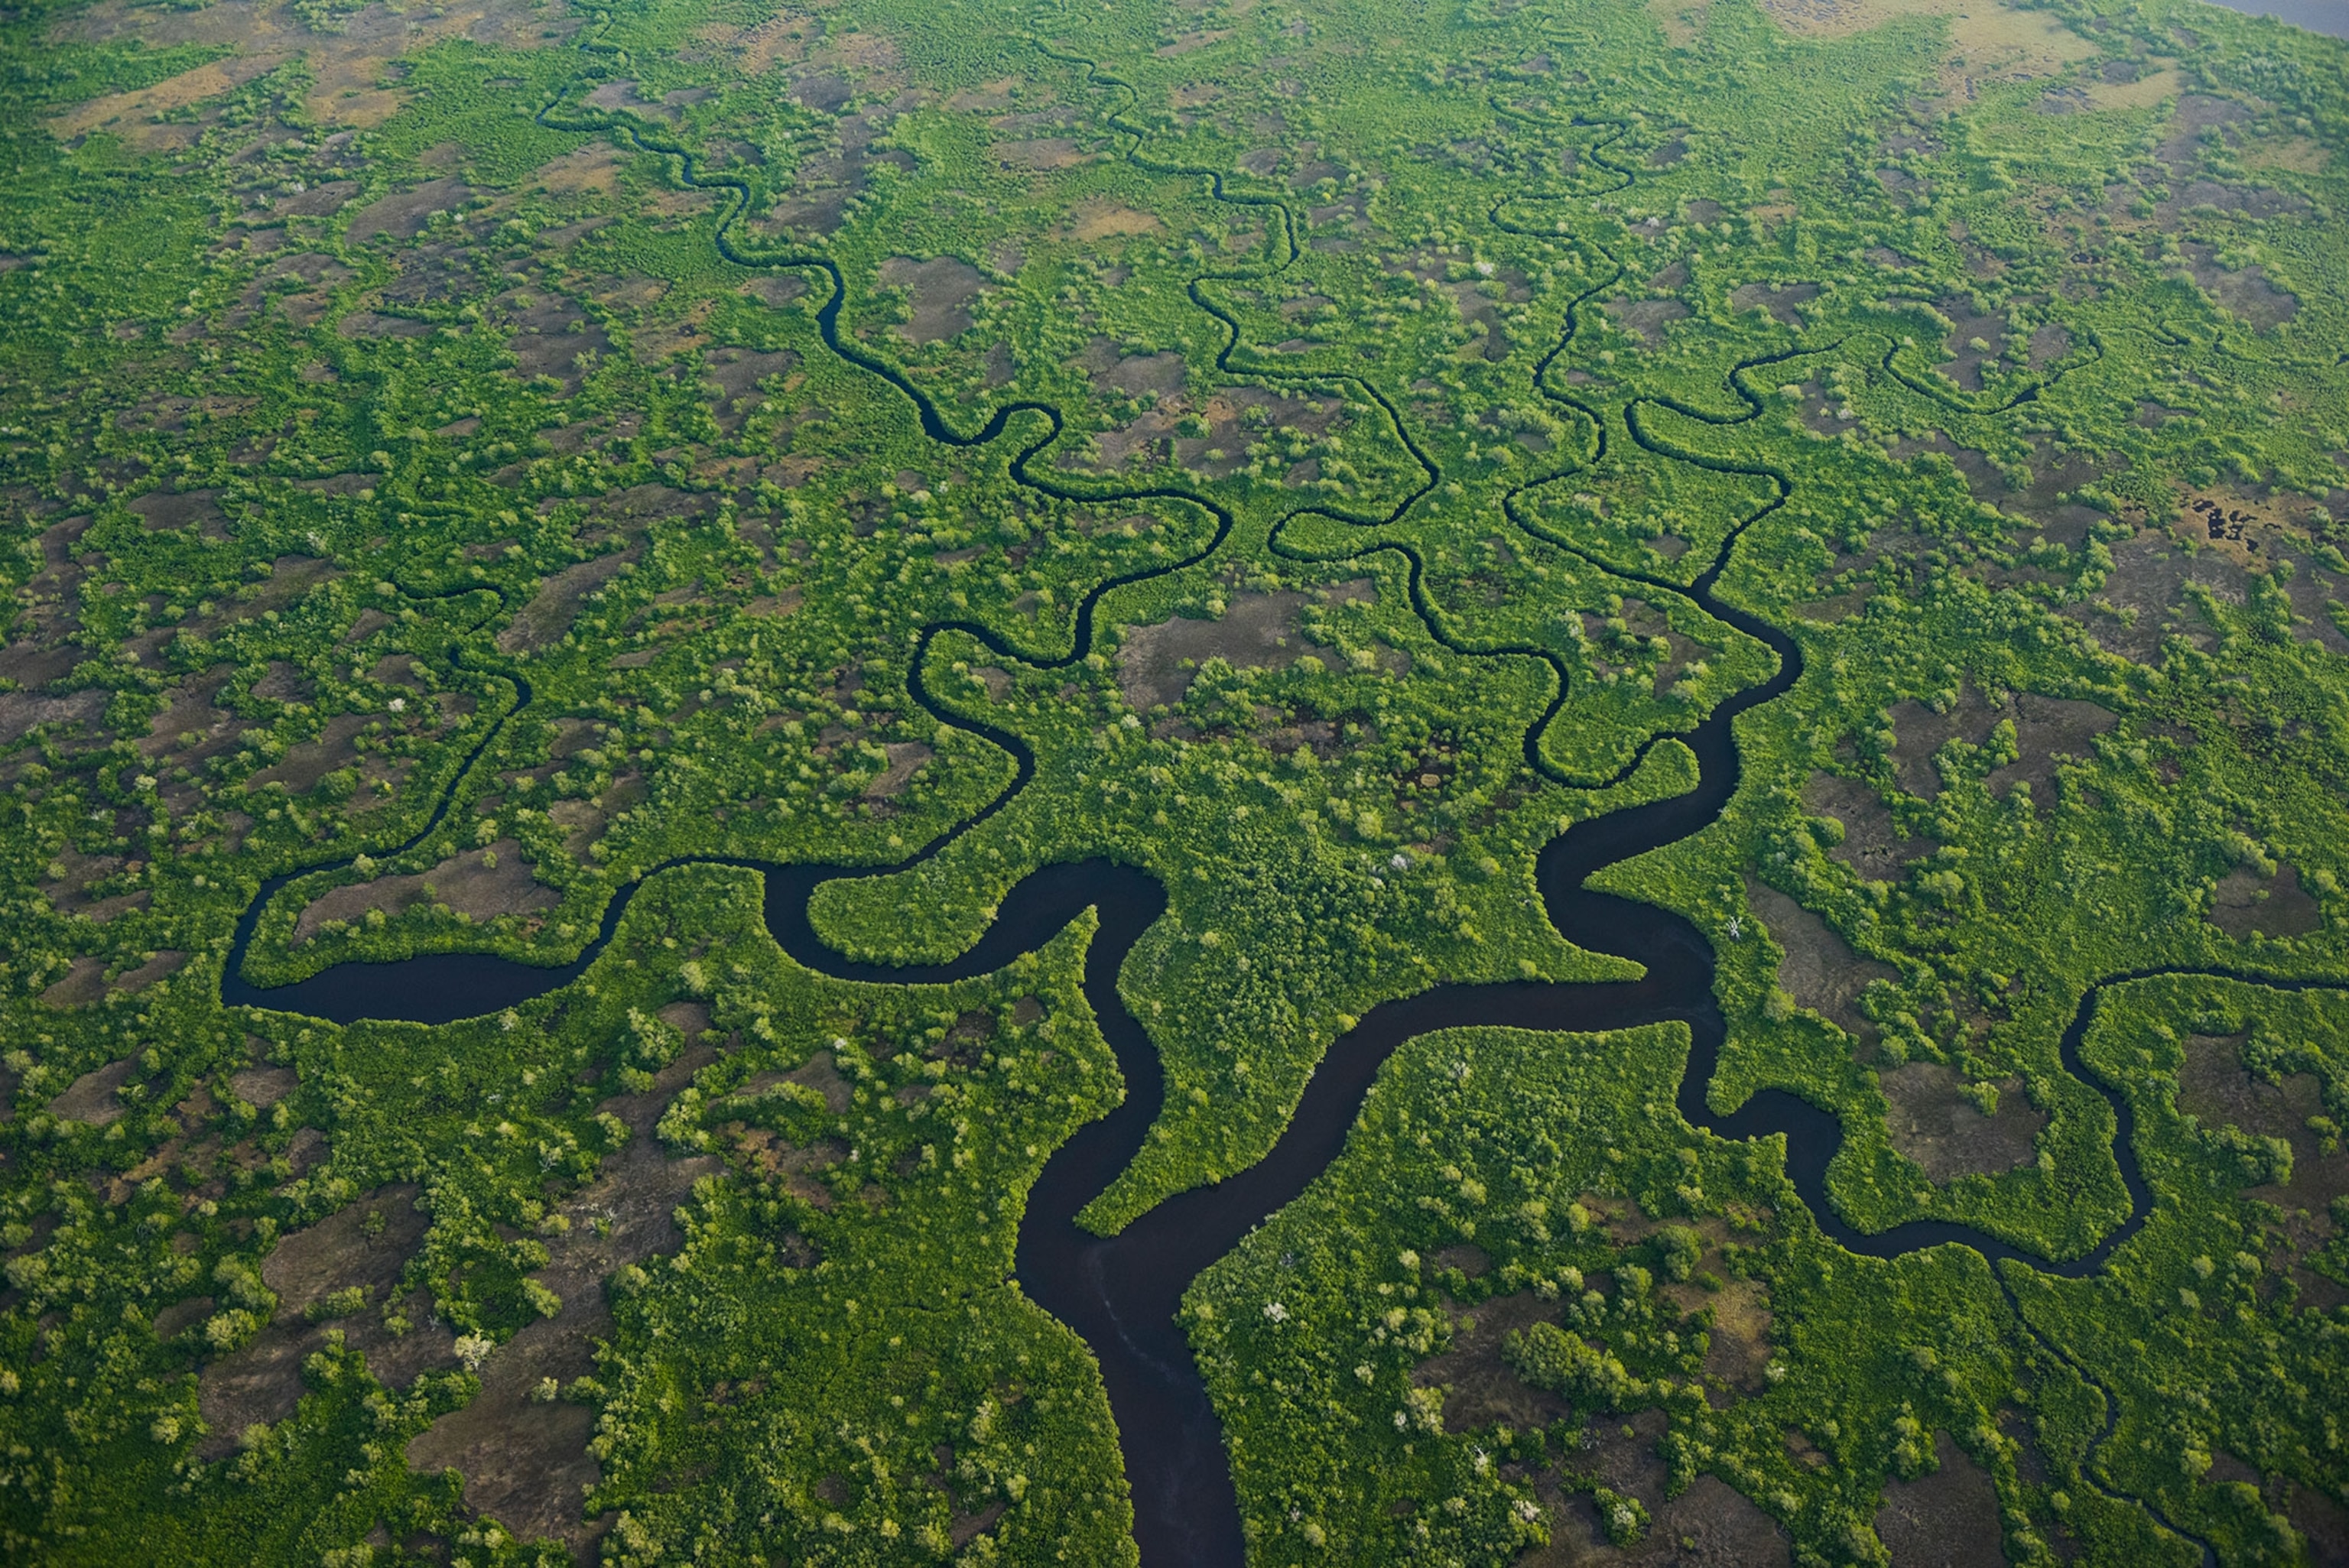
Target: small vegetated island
{"type": "Point", "coordinates": [1471, 782]}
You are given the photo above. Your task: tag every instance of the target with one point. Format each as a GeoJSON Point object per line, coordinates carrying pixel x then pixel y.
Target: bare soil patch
{"type": "Point", "coordinates": [1043, 154]}
{"type": "Point", "coordinates": [22, 712]}
{"type": "Point", "coordinates": [1820, 970]}
{"type": "Point", "coordinates": [350, 83]}
{"type": "Point", "coordinates": [581, 822]}
{"type": "Point", "coordinates": [364, 1246]}
{"type": "Point", "coordinates": [1976, 339]}
{"type": "Point", "coordinates": [2215, 1086]}
{"type": "Point", "coordinates": [549, 613]}
{"type": "Point", "coordinates": [733, 378]}
{"type": "Point", "coordinates": [84, 982]}
{"type": "Point", "coordinates": [190, 724]}
{"type": "Point", "coordinates": [906, 758]}
{"type": "Point", "coordinates": [367, 324]}
{"type": "Point", "coordinates": [167, 961]}
{"type": "Point", "coordinates": [1101, 220]}
{"type": "Point", "coordinates": [68, 879]}
{"type": "Point", "coordinates": [2246, 904]}
{"type": "Point", "coordinates": [820, 1073]}
{"type": "Point", "coordinates": [1479, 1388]}
{"type": "Point", "coordinates": [1988, 44]}
{"type": "Point", "coordinates": [283, 682]}
{"type": "Point", "coordinates": [1136, 374]}
{"type": "Point", "coordinates": [1949, 1519]}
{"type": "Point", "coordinates": [2144, 598]}
{"type": "Point", "coordinates": [941, 292]}
{"type": "Point", "coordinates": [163, 510]}
{"type": "Point", "coordinates": [551, 334]}
{"type": "Point", "coordinates": [403, 214]}
{"type": "Point", "coordinates": [525, 1460]}
{"type": "Point", "coordinates": [1740, 1348]}
{"type": "Point", "coordinates": [594, 167]}
{"type": "Point", "coordinates": [1873, 845]}
{"type": "Point", "coordinates": [467, 884]}
{"type": "Point", "coordinates": [1646, 319]}
{"type": "Point", "coordinates": [1782, 300]}
{"type": "Point", "coordinates": [1257, 631]}
{"type": "Point", "coordinates": [263, 1086]}
{"type": "Point", "coordinates": [1941, 1129]}
{"type": "Point", "coordinates": [2046, 730]}
{"type": "Point", "coordinates": [1224, 449]}
{"type": "Point", "coordinates": [2249, 293]}
{"type": "Point", "coordinates": [91, 1097]}
{"type": "Point", "coordinates": [30, 664]}
{"type": "Point", "coordinates": [1710, 1525]}
{"type": "Point", "coordinates": [306, 762]}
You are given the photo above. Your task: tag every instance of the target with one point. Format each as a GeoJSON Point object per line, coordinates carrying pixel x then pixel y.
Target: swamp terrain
{"type": "Point", "coordinates": [1641, 705]}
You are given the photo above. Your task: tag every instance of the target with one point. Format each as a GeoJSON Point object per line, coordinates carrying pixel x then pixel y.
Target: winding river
{"type": "Point", "coordinates": [1120, 1293]}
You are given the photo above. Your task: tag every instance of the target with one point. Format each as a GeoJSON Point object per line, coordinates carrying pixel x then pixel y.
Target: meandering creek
{"type": "Point", "coordinates": [1120, 1293]}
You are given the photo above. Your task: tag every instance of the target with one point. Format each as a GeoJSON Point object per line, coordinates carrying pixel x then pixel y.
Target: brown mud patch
{"type": "Point", "coordinates": [1872, 845]}
{"type": "Point", "coordinates": [1646, 319]}
{"type": "Point", "coordinates": [308, 762]}
{"type": "Point", "coordinates": [68, 882]}
{"type": "Point", "coordinates": [2044, 499]}
{"type": "Point", "coordinates": [190, 724]}
{"type": "Point", "coordinates": [733, 379]}
{"type": "Point", "coordinates": [2249, 293]}
{"type": "Point", "coordinates": [549, 613]}
{"type": "Point", "coordinates": [1256, 631]}
{"type": "Point", "coordinates": [906, 758]}
{"type": "Point", "coordinates": [480, 884]}
{"type": "Point", "coordinates": [939, 292]}
{"type": "Point", "coordinates": [22, 712]}
{"type": "Point", "coordinates": [2047, 731]}
{"type": "Point", "coordinates": [1949, 1519]}
{"type": "Point", "coordinates": [2216, 1088]}
{"type": "Point", "coordinates": [1479, 1388]}
{"type": "Point", "coordinates": [1709, 1524]}
{"type": "Point", "coordinates": [1111, 370]}
{"type": "Point", "coordinates": [1740, 1349]}
{"type": "Point", "coordinates": [2144, 598]}
{"type": "Point", "coordinates": [169, 510]}
{"type": "Point", "coordinates": [1042, 155]}
{"type": "Point", "coordinates": [92, 1098]}
{"type": "Point", "coordinates": [1934, 1123]}
{"type": "Point", "coordinates": [820, 1073]}
{"type": "Point", "coordinates": [263, 1086]}
{"type": "Point", "coordinates": [524, 1457]}
{"type": "Point", "coordinates": [1230, 411]}
{"type": "Point", "coordinates": [1988, 44]}
{"type": "Point", "coordinates": [84, 982]}
{"type": "Point", "coordinates": [1976, 342]}
{"type": "Point", "coordinates": [1102, 220]}
{"type": "Point", "coordinates": [403, 214]}
{"type": "Point", "coordinates": [550, 335]}
{"type": "Point", "coordinates": [1820, 970]}
{"type": "Point", "coordinates": [2246, 905]}
{"type": "Point", "coordinates": [1782, 300]}
{"type": "Point", "coordinates": [363, 1247]}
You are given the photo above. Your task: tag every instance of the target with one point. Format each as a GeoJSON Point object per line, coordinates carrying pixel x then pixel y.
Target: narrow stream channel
{"type": "Point", "coordinates": [1120, 1293]}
